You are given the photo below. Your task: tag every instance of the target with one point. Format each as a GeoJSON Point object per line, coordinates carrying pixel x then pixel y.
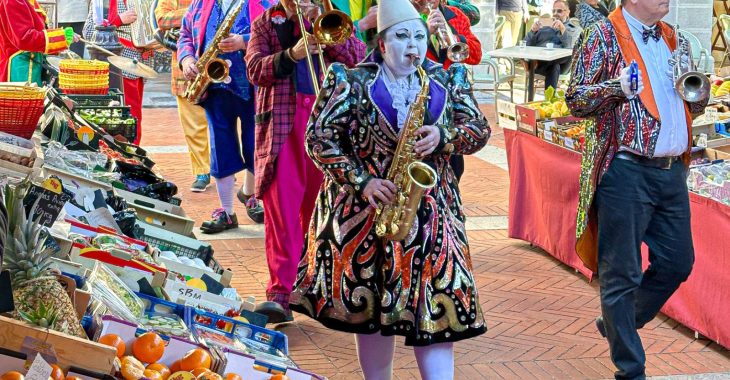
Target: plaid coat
{"type": "Point", "coordinates": [192, 31]}
{"type": "Point", "coordinates": [275, 93]}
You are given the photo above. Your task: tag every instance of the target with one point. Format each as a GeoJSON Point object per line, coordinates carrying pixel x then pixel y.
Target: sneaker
{"type": "Point", "coordinates": [253, 208]}
{"type": "Point", "coordinates": [601, 326]}
{"type": "Point", "coordinates": [221, 222]}
{"type": "Point", "coordinates": [202, 181]}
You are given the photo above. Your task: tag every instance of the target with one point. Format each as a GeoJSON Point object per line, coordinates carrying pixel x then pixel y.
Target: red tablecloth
{"type": "Point", "coordinates": [542, 207]}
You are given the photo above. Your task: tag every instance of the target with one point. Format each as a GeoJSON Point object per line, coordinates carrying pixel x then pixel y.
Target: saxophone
{"type": "Point", "coordinates": [212, 69]}
{"type": "Point", "coordinates": [410, 176]}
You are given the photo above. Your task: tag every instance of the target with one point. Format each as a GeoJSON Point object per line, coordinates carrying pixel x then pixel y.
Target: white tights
{"type": "Point", "coordinates": [375, 353]}
{"type": "Point", "coordinates": [227, 193]}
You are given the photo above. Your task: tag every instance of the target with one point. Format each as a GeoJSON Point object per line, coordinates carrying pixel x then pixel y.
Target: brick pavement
{"type": "Point", "coordinates": [540, 313]}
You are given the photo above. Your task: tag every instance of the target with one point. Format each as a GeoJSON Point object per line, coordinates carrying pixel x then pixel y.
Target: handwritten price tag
{"type": "Point", "coordinates": [39, 370]}
{"type": "Point", "coordinates": [569, 143]}
{"type": "Point", "coordinates": [548, 136]}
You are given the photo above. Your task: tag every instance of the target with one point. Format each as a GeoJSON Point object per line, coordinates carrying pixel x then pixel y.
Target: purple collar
{"type": "Point", "coordinates": [384, 102]}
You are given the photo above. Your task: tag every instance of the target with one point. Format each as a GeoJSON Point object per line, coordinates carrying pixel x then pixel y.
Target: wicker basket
{"type": "Point", "coordinates": [78, 76]}
{"type": "Point", "coordinates": [20, 109]}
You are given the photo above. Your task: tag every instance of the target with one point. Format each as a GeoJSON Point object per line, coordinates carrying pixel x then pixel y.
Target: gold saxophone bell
{"type": "Point", "coordinates": [456, 51]}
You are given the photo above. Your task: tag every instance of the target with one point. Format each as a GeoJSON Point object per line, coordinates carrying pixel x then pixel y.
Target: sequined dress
{"type": "Point", "coordinates": [349, 280]}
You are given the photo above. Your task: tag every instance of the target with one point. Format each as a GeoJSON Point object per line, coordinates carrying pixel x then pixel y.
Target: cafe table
{"type": "Point", "coordinates": [530, 55]}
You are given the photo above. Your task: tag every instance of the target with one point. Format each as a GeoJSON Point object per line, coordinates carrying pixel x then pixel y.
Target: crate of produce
{"type": "Point", "coordinates": [233, 327]}
{"type": "Point", "coordinates": [114, 120]}
{"type": "Point", "coordinates": [506, 114]}
{"type": "Point", "coordinates": [92, 100]}
{"type": "Point", "coordinates": [158, 305]}
{"type": "Point", "coordinates": [20, 155]}
{"type": "Point", "coordinates": [20, 109]}
{"type": "Point", "coordinates": [178, 244]}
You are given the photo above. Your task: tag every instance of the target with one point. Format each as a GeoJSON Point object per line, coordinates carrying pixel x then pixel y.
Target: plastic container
{"type": "Point", "coordinates": [179, 244]}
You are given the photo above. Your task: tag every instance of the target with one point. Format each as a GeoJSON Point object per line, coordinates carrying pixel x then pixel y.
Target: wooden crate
{"type": "Point", "coordinates": [506, 115]}
{"type": "Point", "coordinates": [69, 350]}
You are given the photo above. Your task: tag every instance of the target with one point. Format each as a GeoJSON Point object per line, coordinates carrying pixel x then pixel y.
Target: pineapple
{"type": "Point", "coordinates": [28, 260]}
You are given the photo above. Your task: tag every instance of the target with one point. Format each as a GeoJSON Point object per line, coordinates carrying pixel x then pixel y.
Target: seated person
{"type": "Point", "coordinates": [553, 31]}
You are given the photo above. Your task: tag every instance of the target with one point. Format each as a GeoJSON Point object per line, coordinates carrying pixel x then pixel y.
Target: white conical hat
{"type": "Point", "coordinates": [391, 12]}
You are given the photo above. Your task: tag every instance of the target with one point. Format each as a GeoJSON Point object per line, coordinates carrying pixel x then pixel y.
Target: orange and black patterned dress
{"type": "Point", "coordinates": [350, 280]}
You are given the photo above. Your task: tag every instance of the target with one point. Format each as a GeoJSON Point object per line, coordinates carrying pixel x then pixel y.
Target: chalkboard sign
{"type": "Point", "coordinates": [49, 204]}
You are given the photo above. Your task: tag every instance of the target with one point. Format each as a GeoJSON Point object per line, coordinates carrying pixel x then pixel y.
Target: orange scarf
{"type": "Point", "coordinates": [630, 52]}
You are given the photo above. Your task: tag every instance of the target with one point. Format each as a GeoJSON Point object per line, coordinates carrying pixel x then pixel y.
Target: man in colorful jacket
{"type": "Point", "coordinates": [286, 179]}
{"type": "Point", "coordinates": [632, 183]}
{"type": "Point", "coordinates": [169, 14]}
{"type": "Point", "coordinates": [225, 104]}
{"type": "Point", "coordinates": [25, 40]}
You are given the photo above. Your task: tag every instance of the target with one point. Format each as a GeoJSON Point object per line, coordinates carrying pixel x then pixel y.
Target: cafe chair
{"type": "Point", "coordinates": [488, 78]}
{"type": "Point", "coordinates": [697, 51]}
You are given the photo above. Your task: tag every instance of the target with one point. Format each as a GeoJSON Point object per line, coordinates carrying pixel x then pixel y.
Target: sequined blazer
{"type": "Point", "coordinates": [595, 92]}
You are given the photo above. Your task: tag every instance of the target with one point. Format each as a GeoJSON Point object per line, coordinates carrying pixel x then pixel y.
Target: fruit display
{"type": "Point", "coordinates": [720, 88]}
{"type": "Point", "coordinates": [38, 296]}
{"type": "Point", "coordinates": [115, 115]}
{"type": "Point", "coordinates": [553, 106]}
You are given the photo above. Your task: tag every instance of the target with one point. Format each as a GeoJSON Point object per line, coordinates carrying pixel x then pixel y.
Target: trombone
{"type": "Point", "coordinates": [332, 27]}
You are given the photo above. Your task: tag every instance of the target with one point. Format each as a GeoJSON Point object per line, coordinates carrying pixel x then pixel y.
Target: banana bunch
{"type": "Point", "coordinates": [720, 90]}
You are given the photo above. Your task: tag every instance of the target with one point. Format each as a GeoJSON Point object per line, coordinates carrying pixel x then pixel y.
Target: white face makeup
{"type": "Point", "coordinates": [402, 43]}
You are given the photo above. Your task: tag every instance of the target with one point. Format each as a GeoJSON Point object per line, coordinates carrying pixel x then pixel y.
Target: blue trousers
{"type": "Point", "coordinates": [223, 109]}
{"type": "Point", "coordinates": [638, 204]}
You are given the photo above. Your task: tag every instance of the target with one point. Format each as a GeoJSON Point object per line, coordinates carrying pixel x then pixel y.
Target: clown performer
{"type": "Point", "coordinates": [225, 104]}
{"type": "Point", "coordinates": [286, 179]}
{"type": "Point", "coordinates": [25, 41]}
{"type": "Point", "coordinates": [350, 279]}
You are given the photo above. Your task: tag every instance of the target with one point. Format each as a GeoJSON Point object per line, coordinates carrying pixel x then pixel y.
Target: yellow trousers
{"type": "Point", "coordinates": [195, 128]}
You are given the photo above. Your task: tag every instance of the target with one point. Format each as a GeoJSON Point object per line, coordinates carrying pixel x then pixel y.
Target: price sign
{"type": "Point", "coordinates": [548, 136]}
{"type": "Point", "coordinates": [702, 140]}
{"type": "Point", "coordinates": [568, 142]}
{"type": "Point", "coordinates": [39, 370]}
{"type": "Point", "coordinates": [711, 114]}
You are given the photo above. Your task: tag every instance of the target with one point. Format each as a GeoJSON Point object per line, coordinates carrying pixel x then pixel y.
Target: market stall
{"type": "Point", "coordinates": [101, 274]}
{"type": "Point", "coordinates": [544, 172]}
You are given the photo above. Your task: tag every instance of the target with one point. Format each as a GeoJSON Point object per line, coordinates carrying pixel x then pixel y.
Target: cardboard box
{"type": "Point", "coordinates": [243, 365]}
{"type": "Point", "coordinates": [174, 221]}
{"type": "Point", "coordinates": [224, 277]}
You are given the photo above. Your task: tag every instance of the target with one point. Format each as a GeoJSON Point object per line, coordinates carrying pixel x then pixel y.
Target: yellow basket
{"type": "Point", "coordinates": [80, 76]}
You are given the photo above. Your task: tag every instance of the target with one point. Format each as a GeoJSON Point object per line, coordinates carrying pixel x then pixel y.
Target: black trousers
{"type": "Point", "coordinates": [457, 164]}
{"type": "Point", "coordinates": [78, 27]}
{"type": "Point", "coordinates": [552, 70]}
{"type": "Point", "coordinates": [638, 204]}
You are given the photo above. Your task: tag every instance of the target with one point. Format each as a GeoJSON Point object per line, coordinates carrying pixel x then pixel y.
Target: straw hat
{"type": "Point", "coordinates": [391, 12]}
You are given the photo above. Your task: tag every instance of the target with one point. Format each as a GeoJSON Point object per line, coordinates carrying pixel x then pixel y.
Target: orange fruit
{"type": "Point", "coordinates": [196, 358]}
{"type": "Point", "coordinates": [279, 376]}
{"type": "Point", "coordinates": [115, 341]}
{"type": "Point", "coordinates": [233, 376]}
{"type": "Point", "coordinates": [209, 375]}
{"type": "Point", "coordinates": [199, 371]}
{"type": "Point", "coordinates": [161, 368]}
{"type": "Point", "coordinates": [57, 373]}
{"type": "Point", "coordinates": [175, 367]}
{"type": "Point", "coordinates": [132, 369]}
{"type": "Point", "coordinates": [12, 375]}
{"type": "Point", "coordinates": [151, 374]}
{"type": "Point", "coordinates": [149, 347]}
{"type": "Point", "coordinates": [73, 378]}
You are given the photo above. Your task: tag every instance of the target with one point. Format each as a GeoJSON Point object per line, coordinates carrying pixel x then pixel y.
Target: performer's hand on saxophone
{"type": "Point", "coordinates": [190, 70]}
{"type": "Point", "coordinates": [428, 142]}
{"type": "Point", "coordinates": [380, 191]}
{"type": "Point", "coordinates": [234, 42]}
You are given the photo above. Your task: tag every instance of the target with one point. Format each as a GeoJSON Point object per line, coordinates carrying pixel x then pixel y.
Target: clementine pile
{"type": "Point", "coordinates": [114, 341]}
{"type": "Point", "coordinates": [12, 375]}
{"type": "Point", "coordinates": [149, 347]}
{"type": "Point", "coordinates": [196, 358]}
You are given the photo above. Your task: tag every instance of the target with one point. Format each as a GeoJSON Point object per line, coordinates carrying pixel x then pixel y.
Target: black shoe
{"type": "Point", "coordinates": [221, 221]}
{"type": "Point", "coordinates": [275, 312]}
{"type": "Point", "coordinates": [202, 181]}
{"type": "Point", "coordinates": [253, 208]}
{"type": "Point", "coordinates": [600, 326]}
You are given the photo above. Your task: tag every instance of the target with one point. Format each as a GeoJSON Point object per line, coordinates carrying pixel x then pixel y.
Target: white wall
{"type": "Point", "coordinates": [694, 16]}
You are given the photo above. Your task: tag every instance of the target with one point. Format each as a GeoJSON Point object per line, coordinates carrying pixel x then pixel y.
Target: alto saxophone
{"type": "Point", "coordinates": [212, 69]}
{"type": "Point", "coordinates": [410, 176]}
